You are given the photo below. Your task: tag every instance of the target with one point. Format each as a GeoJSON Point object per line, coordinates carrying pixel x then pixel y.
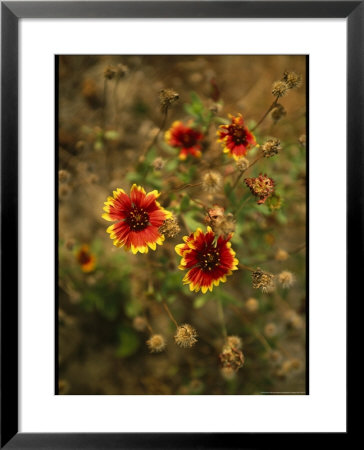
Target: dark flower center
{"type": "Point", "coordinates": [209, 259]}
{"type": "Point", "coordinates": [84, 257]}
{"type": "Point", "coordinates": [138, 219]}
{"type": "Point", "coordinates": [189, 140]}
{"type": "Point", "coordinates": [238, 134]}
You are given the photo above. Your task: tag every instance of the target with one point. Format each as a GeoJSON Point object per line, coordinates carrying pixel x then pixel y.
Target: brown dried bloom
{"type": "Point", "coordinates": [279, 88]}
{"type": "Point", "coordinates": [63, 176]}
{"type": "Point", "coordinates": [263, 280]}
{"type": "Point", "coordinates": [212, 182]}
{"type": "Point", "coordinates": [281, 255]}
{"type": "Point", "coordinates": [271, 147]}
{"type": "Point", "coordinates": [292, 79]}
{"type": "Point", "coordinates": [158, 163]}
{"type": "Point", "coordinates": [286, 279]}
{"type": "Point", "coordinates": [270, 330]}
{"type": "Point", "coordinates": [186, 336]}
{"type": "Point", "coordinates": [234, 342]}
{"type": "Point", "coordinates": [252, 305]}
{"type": "Point", "coordinates": [170, 227]}
{"type": "Point", "coordinates": [242, 164]}
{"type": "Point", "coordinates": [156, 343]}
{"type": "Point", "coordinates": [166, 98]}
{"type": "Point", "coordinates": [140, 323]}
{"type": "Point", "coordinates": [261, 186]}
{"type": "Point", "coordinates": [278, 112]}
{"type": "Point", "coordinates": [110, 72]}
{"type": "Point", "coordinates": [221, 224]}
{"type": "Point", "coordinates": [231, 358]}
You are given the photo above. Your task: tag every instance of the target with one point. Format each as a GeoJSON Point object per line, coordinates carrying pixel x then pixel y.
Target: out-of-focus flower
{"type": "Point", "coordinates": [212, 182]}
{"type": "Point", "coordinates": [156, 343]}
{"type": "Point", "coordinates": [271, 147]}
{"type": "Point", "coordinates": [281, 255]}
{"type": "Point", "coordinates": [166, 98]}
{"type": "Point", "coordinates": [242, 164]}
{"type": "Point", "coordinates": [85, 258]}
{"type": "Point", "coordinates": [270, 330]}
{"type": "Point", "coordinates": [138, 218]}
{"type": "Point", "coordinates": [286, 279]}
{"type": "Point", "coordinates": [236, 137]}
{"type": "Point", "coordinates": [274, 202]}
{"type": "Point", "coordinates": [208, 261]}
{"type": "Point", "coordinates": [158, 163]}
{"type": "Point", "coordinates": [252, 305]}
{"type": "Point", "coordinates": [261, 186]}
{"type": "Point", "coordinates": [186, 336]}
{"type": "Point", "coordinates": [302, 140]}
{"type": "Point", "coordinates": [234, 342]}
{"type": "Point", "coordinates": [185, 138]}
{"type": "Point", "coordinates": [140, 323]}
{"type": "Point", "coordinates": [170, 227]}
{"type": "Point", "coordinates": [263, 280]}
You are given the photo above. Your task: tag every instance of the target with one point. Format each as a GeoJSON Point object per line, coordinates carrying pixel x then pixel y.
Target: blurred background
{"type": "Point", "coordinates": [109, 137]}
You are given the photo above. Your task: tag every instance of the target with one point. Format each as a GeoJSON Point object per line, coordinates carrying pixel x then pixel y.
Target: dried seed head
{"type": "Point", "coordinates": [292, 79]}
{"type": "Point", "coordinates": [281, 255]}
{"type": "Point", "coordinates": [170, 227]}
{"type": "Point", "coordinates": [212, 182]}
{"type": "Point", "coordinates": [186, 336]}
{"type": "Point", "coordinates": [270, 330]}
{"type": "Point", "coordinates": [279, 88]}
{"type": "Point", "coordinates": [271, 147]}
{"type": "Point", "coordinates": [234, 342]}
{"type": "Point", "coordinates": [278, 112]}
{"type": "Point", "coordinates": [302, 140]}
{"type": "Point", "coordinates": [286, 279]}
{"type": "Point", "coordinates": [140, 323]}
{"type": "Point", "coordinates": [252, 305]}
{"type": "Point", "coordinates": [158, 163]}
{"type": "Point", "coordinates": [121, 70]}
{"type": "Point", "coordinates": [263, 280]}
{"type": "Point", "coordinates": [231, 358]}
{"type": "Point", "coordinates": [156, 343]}
{"type": "Point", "coordinates": [110, 72]}
{"type": "Point", "coordinates": [261, 186]}
{"type": "Point", "coordinates": [242, 164]}
{"type": "Point", "coordinates": [167, 97]}
{"type": "Point", "coordinates": [63, 176]}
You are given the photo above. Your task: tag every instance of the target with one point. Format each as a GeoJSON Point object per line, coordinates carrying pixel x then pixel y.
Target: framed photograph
{"type": "Point", "coordinates": [177, 210]}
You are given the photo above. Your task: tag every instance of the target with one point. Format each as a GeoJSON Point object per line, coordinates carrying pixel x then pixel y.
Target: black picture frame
{"type": "Point", "coordinates": [11, 12]}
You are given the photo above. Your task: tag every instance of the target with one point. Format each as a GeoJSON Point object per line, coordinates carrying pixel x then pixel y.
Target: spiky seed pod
{"type": "Point", "coordinates": [286, 279]}
{"type": "Point", "coordinates": [278, 112]}
{"type": "Point", "coordinates": [252, 305]}
{"type": "Point", "coordinates": [186, 336]}
{"type": "Point", "coordinates": [158, 163]}
{"type": "Point", "coordinates": [271, 147]}
{"type": "Point", "coordinates": [212, 182]}
{"type": "Point", "coordinates": [234, 342]}
{"type": "Point", "coordinates": [279, 88]}
{"type": "Point", "coordinates": [167, 97]}
{"type": "Point", "coordinates": [242, 164]}
{"type": "Point", "coordinates": [270, 330]}
{"type": "Point", "coordinates": [231, 358]}
{"type": "Point", "coordinates": [263, 280]}
{"type": "Point", "coordinates": [156, 343]}
{"type": "Point", "coordinates": [292, 79]}
{"type": "Point", "coordinates": [170, 227]}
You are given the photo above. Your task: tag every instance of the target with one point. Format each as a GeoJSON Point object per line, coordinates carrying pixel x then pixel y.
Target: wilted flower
{"type": "Point", "coordinates": [156, 343]}
{"type": "Point", "coordinates": [166, 98]}
{"type": "Point", "coordinates": [279, 88]}
{"type": "Point", "coordinates": [208, 261]}
{"type": "Point", "coordinates": [185, 138]}
{"type": "Point", "coordinates": [212, 182]}
{"type": "Point", "coordinates": [261, 186]}
{"type": "Point", "coordinates": [186, 336]}
{"type": "Point", "coordinates": [236, 137]}
{"type": "Point", "coordinates": [271, 147]}
{"type": "Point", "coordinates": [85, 258]}
{"type": "Point", "coordinates": [231, 358]}
{"type": "Point", "coordinates": [170, 227]}
{"type": "Point", "coordinates": [138, 218]}
{"type": "Point", "coordinates": [263, 280]}
{"type": "Point", "coordinates": [286, 279]}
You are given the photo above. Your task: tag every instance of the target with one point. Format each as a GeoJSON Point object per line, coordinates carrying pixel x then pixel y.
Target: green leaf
{"type": "Point", "coordinates": [128, 342]}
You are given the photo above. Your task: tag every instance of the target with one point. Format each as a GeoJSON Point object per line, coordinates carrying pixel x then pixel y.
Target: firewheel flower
{"type": "Point", "coordinates": [207, 260]}
{"type": "Point", "coordinates": [236, 137]}
{"type": "Point", "coordinates": [85, 258]}
{"type": "Point", "coordinates": [185, 138]}
{"type": "Point", "coordinates": [137, 218]}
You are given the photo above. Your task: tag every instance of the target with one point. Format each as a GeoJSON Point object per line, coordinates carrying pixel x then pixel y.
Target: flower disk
{"type": "Point", "coordinates": [185, 138]}
{"type": "Point", "coordinates": [137, 218]}
{"type": "Point", "coordinates": [207, 260]}
{"type": "Point", "coordinates": [236, 137]}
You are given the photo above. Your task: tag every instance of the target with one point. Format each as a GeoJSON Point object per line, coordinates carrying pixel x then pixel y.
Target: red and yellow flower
{"type": "Point", "coordinates": [85, 258]}
{"type": "Point", "coordinates": [137, 218]}
{"type": "Point", "coordinates": [208, 260]}
{"type": "Point", "coordinates": [186, 138]}
{"type": "Point", "coordinates": [236, 137]}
